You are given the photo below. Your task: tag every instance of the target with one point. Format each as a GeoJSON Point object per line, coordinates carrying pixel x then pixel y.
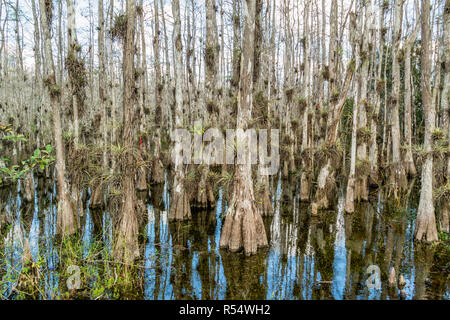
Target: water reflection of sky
{"type": "Point", "coordinates": [292, 267]}
{"type": "Point", "coordinates": [340, 255]}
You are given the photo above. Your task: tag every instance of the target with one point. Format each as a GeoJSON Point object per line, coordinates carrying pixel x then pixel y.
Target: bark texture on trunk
{"type": "Point", "coordinates": [445, 109]}
{"type": "Point", "coordinates": [67, 222]}
{"type": "Point", "coordinates": [243, 227]}
{"type": "Point", "coordinates": [361, 182]}
{"type": "Point", "coordinates": [425, 228]}
{"type": "Point", "coordinates": [157, 167]}
{"type": "Point", "coordinates": [409, 161]}
{"type": "Point", "coordinates": [126, 246]}
{"type": "Point", "coordinates": [179, 208]}
{"type": "Point", "coordinates": [326, 178]}
{"type": "Point", "coordinates": [204, 195]}
{"type": "Point", "coordinates": [398, 177]}
{"type": "Point", "coordinates": [350, 195]}
{"type": "Point", "coordinates": [305, 178]}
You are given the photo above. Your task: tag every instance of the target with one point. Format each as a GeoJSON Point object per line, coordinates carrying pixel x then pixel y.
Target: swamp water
{"type": "Point", "coordinates": [321, 257]}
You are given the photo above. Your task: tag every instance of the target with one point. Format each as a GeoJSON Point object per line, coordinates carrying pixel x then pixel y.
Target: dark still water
{"type": "Point", "coordinates": [321, 257]}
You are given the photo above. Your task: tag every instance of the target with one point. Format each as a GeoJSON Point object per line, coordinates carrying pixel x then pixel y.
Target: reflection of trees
{"type": "Point", "coordinates": [194, 267]}
{"type": "Point", "coordinates": [156, 196]}
{"type": "Point", "coordinates": [287, 199]}
{"type": "Point", "coordinates": [243, 275]}
{"type": "Point", "coordinates": [423, 259]}
{"type": "Point", "coordinates": [181, 274]}
{"type": "Point", "coordinates": [163, 262]}
{"type": "Point", "coordinates": [355, 234]}
{"type": "Point", "coordinates": [151, 256]}
{"type": "Point", "coordinates": [204, 226]}
{"type": "Point", "coordinates": [202, 234]}
{"type": "Point", "coordinates": [97, 221]}
{"type": "Point", "coordinates": [285, 263]}
{"type": "Point", "coordinates": [392, 243]}
{"type": "Point", "coordinates": [5, 203]}
{"type": "Point", "coordinates": [181, 266]}
{"type": "Point", "coordinates": [301, 248]}
{"type": "Point", "coordinates": [323, 243]}
{"type": "Point", "coordinates": [439, 271]}
{"type": "Point", "coordinates": [400, 236]}
{"type": "Point", "coordinates": [42, 196]}
{"type": "Point", "coordinates": [27, 209]}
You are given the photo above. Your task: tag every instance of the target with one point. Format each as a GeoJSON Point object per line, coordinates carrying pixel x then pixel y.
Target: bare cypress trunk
{"type": "Point", "coordinates": [288, 96]}
{"type": "Point", "coordinates": [263, 191]}
{"type": "Point", "coordinates": [142, 78]}
{"type": "Point", "coordinates": [362, 137]}
{"type": "Point", "coordinates": [157, 167]}
{"type": "Point", "coordinates": [398, 177]}
{"type": "Point", "coordinates": [425, 228]}
{"type": "Point", "coordinates": [445, 109]}
{"type": "Point", "coordinates": [190, 56]}
{"type": "Point", "coordinates": [168, 80]}
{"type": "Point", "coordinates": [97, 189]}
{"type": "Point", "coordinates": [211, 61]}
{"type": "Point", "coordinates": [222, 72]}
{"type": "Point", "coordinates": [380, 88]}
{"type": "Point", "coordinates": [332, 47]}
{"type": "Point", "coordinates": [166, 42]}
{"type": "Point", "coordinates": [204, 195]}
{"type": "Point", "coordinates": [91, 53]}
{"type": "Point", "coordinates": [112, 85]}
{"type": "Point", "coordinates": [60, 51]}
{"type": "Point", "coordinates": [66, 220]}
{"type": "Point", "coordinates": [101, 79]}
{"type": "Point", "coordinates": [37, 70]}
{"type": "Point", "coordinates": [324, 58]}
{"type": "Point", "coordinates": [409, 161]}
{"type": "Point", "coordinates": [75, 68]}
{"type": "Point", "coordinates": [307, 154]}
{"type": "Point", "coordinates": [126, 246]}
{"type": "Point", "coordinates": [243, 227]}
{"type": "Point", "coordinates": [3, 66]}
{"type": "Point", "coordinates": [272, 76]}
{"type": "Point", "coordinates": [179, 207]}
{"type": "Point", "coordinates": [326, 187]}
{"type": "Point", "coordinates": [236, 46]}
{"type": "Point", "coordinates": [350, 195]}
{"type": "Point", "coordinates": [18, 42]}
{"type": "Point", "coordinates": [73, 64]}
{"type": "Point", "coordinates": [193, 78]}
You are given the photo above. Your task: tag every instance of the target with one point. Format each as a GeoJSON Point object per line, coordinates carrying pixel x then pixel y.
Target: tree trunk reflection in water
{"type": "Point", "coordinates": [309, 257]}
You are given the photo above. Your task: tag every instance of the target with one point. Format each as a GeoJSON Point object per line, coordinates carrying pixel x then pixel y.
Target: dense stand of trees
{"type": "Point", "coordinates": [358, 88]}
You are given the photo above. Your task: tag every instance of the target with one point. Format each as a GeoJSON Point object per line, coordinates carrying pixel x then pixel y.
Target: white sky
{"type": "Point", "coordinates": [84, 25]}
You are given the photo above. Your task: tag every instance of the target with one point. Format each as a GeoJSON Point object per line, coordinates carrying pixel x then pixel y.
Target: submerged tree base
{"type": "Point", "coordinates": [126, 248]}
{"type": "Point", "coordinates": [157, 176]}
{"type": "Point", "coordinates": [180, 209]}
{"type": "Point", "coordinates": [97, 197]}
{"type": "Point", "coordinates": [243, 227]}
{"type": "Point", "coordinates": [204, 195]}
{"type": "Point", "coordinates": [263, 202]}
{"type": "Point", "coordinates": [326, 188]}
{"type": "Point", "coordinates": [66, 222]}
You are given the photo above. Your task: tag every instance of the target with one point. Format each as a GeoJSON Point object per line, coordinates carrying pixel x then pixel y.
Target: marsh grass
{"type": "Point", "coordinates": [100, 276]}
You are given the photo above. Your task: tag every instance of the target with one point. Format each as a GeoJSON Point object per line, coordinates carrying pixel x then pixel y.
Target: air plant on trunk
{"type": "Point", "coordinates": [243, 226]}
